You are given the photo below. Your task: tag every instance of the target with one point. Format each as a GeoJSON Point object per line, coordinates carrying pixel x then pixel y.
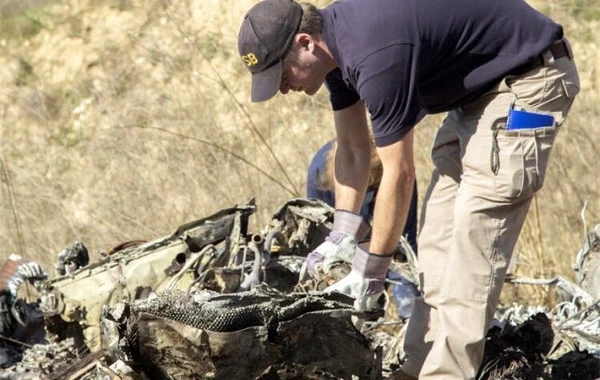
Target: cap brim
{"type": "Point", "coordinates": [266, 83]}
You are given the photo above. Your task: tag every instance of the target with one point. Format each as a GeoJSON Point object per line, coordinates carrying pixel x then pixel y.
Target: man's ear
{"type": "Point", "coordinates": [304, 41]}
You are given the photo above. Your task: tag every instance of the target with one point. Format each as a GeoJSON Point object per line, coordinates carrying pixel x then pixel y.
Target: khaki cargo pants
{"type": "Point", "coordinates": [472, 217]}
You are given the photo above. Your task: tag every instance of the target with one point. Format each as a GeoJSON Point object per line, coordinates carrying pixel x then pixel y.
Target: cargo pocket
{"type": "Point", "coordinates": [522, 159]}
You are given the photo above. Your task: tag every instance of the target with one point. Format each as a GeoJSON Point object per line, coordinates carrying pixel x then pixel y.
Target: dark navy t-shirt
{"type": "Point", "coordinates": [406, 58]}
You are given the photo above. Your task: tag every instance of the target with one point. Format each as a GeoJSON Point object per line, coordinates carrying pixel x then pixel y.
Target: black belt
{"type": "Point", "coordinates": [559, 49]}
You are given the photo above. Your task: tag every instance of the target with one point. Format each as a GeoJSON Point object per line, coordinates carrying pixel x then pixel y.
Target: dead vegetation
{"type": "Point", "coordinates": [122, 119]}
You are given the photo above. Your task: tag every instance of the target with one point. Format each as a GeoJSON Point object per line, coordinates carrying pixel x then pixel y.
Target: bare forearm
{"type": "Point", "coordinates": [391, 210]}
{"type": "Point", "coordinates": [394, 195]}
{"type": "Point", "coordinates": [352, 157]}
{"type": "Point", "coordinates": [351, 177]}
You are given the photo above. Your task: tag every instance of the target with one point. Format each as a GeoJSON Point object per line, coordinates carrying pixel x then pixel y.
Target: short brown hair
{"type": "Point", "coordinates": [311, 20]}
{"type": "Point", "coordinates": [309, 24]}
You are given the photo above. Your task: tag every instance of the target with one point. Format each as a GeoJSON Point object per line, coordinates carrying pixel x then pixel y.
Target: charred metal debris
{"type": "Point", "coordinates": [215, 301]}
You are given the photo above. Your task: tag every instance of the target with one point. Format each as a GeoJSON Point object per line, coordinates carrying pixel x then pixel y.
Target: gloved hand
{"type": "Point", "coordinates": [339, 246]}
{"type": "Point", "coordinates": [366, 280]}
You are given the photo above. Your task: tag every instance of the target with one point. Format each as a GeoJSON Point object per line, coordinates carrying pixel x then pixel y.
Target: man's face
{"type": "Point", "coordinates": [301, 72]}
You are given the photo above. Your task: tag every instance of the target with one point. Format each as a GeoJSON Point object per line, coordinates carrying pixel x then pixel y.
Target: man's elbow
{"type": "Point", "coordinates": [409, 174]}
{"type": "Point", "coordinates": [402, 177]}
{"type": "Point", "coordinates": [403, 171]}
{"type": "Point", "coordinates": [407, 179]}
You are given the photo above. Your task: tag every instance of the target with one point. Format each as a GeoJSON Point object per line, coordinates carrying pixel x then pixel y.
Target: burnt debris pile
{"type": "Point", "coordinates": [214, 300]}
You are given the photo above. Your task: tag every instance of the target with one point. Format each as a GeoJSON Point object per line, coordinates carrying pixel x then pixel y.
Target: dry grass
{"type": "Point", "coordinates": [123, 119]}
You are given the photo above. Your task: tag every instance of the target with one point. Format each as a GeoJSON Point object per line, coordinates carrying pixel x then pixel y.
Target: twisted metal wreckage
{"type": "Point", "coordinates": [213, 301]}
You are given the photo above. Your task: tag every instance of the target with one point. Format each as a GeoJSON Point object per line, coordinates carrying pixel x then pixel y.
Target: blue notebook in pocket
{"type": "Point", "coordinates": [518, 119]}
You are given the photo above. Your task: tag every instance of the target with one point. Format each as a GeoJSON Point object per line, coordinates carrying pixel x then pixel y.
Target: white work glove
{"type": "Point", "coordinates": [339, 246]}
{"type": "Point", "coordinates": [366, 281]}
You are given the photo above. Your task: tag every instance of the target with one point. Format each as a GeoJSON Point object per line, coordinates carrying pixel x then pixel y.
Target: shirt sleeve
{"type": "Point", "coordinates": [340, 95]}
{"type": "Point", "coordinates": [387, 81]}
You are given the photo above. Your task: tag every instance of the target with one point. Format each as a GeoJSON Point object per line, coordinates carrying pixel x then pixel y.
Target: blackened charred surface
{"type": "Point", "coordinates": [320, 342]}
{"type": "Point", "coordinates": [72, 258]}
{"type": "Point", "coordinates": [59, 330]}
{"type": "Point", "coordinates": [7, 319]}
{"type": "Point", "coordinates": [215, 228]}
{"type": "Point", "coordinates": [31, 328]}
{"type": "Point", "coordinates": [21, 321]}
{"type": "Point", "coordinates": [281, 277]}
{"type": "Point", "coordinates": [317, 343]}
{"type": "Point", "coordinates": [535, 336]}
{"type": "Point", "coordinates": [525, 352]}
{"type": "Point", "coordinates": [513, 363]}
{"type": "Point", "coordinates": [199, 237]}
{"type": "Point", "coordinates": [516, 350]}
{"type": "Point", "coordinates": [576, 365]}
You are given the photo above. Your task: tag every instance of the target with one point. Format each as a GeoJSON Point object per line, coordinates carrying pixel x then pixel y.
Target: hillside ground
{"type": "Point", "coordinates": [123, 119]}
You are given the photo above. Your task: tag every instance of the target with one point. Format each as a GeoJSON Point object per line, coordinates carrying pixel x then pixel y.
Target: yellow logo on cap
{"type": "Point", "coordinates": [250, 59]}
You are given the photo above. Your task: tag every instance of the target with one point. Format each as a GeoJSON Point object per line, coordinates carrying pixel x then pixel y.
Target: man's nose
{"type": "Point", "coordinates": [284, 88]}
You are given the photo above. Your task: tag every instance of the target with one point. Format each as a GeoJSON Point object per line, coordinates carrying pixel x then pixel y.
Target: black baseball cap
{"type": "Point", "coordinates": [266, 36]}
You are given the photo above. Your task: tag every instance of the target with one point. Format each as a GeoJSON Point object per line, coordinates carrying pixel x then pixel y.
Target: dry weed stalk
{"type": "Point", "coordinates": [12, 203]}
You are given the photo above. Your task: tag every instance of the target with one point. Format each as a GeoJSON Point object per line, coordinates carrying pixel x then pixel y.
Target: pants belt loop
{"type": "Point", "coordinates": [548, 58]}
